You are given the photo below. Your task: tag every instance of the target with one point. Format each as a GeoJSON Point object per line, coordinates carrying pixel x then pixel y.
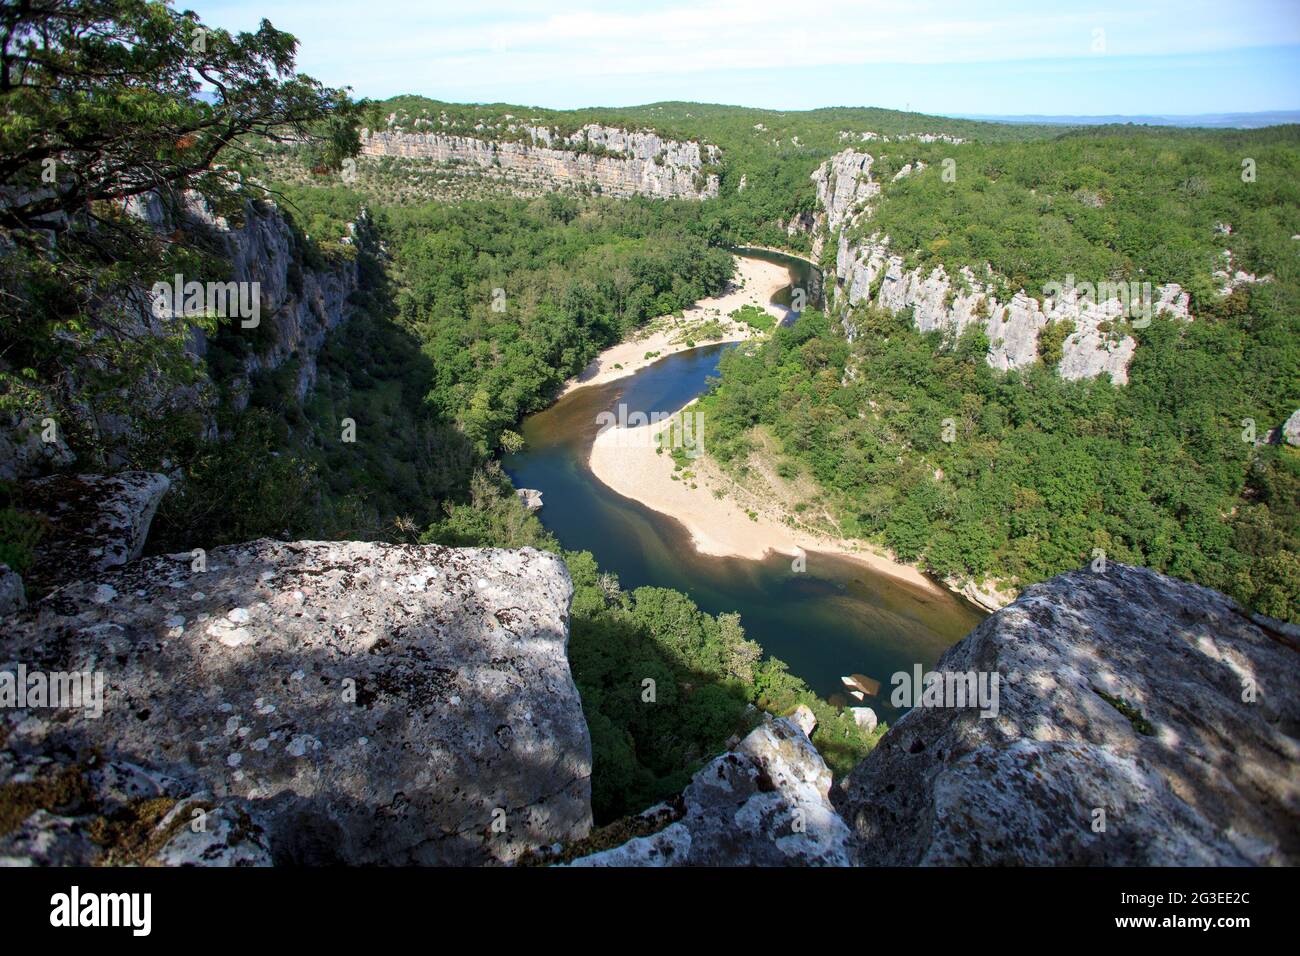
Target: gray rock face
{"type": "Point", "coordinates": [122, 814]}
{"type": "Point", "coordinates": [299, 306]}
{"type": "Point", "coordinates": [764, 804]}
{"type": "Point", "coordinates": [367, 703]}
{"type": "Point", "coordinates": [13, 595]}
{"type": "Point", "coordinates": [1191, 761]}
{"type": "Point", "coordinates": [867, 270]}
{"type": "Point", "coordinates": [96, 523]}
{"type": "Point", "coordinates": [23, 449]}
{"type": "Point", "coordinates": [530, 498]}
{"type": "Point", "coordinates": [636, 163]}
{"type": "Point", "coordinates": [1291, 430]}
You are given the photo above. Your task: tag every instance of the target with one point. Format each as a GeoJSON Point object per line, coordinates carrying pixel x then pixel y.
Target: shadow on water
{"type": "Point", "coordinates": [836, 618]}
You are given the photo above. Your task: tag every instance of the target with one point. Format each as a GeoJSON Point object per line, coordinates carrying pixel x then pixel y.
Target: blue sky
{"type": "Point", "coordinates": [934, 56]}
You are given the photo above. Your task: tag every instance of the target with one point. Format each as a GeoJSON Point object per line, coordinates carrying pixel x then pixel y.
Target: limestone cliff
{"type": "Point", "coordinates": [298, 305]}
{"type": "Point", "coordinates": [613, 161]}
{"type": "Point", "coordinates": [867, 269]}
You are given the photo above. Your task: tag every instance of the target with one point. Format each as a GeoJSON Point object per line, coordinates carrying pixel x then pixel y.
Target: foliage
{"type": "Point", "coordinates": [102, 102]}
{"type": "Point", "coordinates": [1042, 471]}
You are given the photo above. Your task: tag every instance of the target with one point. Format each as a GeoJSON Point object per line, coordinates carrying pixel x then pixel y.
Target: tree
{"type": "Point", "coordinates": [109, 99]}
{"type": "Point", "coordinates": [102, 102]}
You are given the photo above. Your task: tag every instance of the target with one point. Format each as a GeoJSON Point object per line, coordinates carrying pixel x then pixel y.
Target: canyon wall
{"type": "Point", "coordinates": [867, 269]}
{"type": "Point", "coordinates": [298, 305]}
{"type": "Point", "coordinates": [613, 161]}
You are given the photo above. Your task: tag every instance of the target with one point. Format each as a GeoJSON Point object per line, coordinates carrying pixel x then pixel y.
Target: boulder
{"type": "Point", "coordinates": [1291, 429]}
{"type": "Point", "coordinates": [364, 703]}
{"type": "Point", "coordinates": [1140, 721]}
{"type": "Point", "coordinates": [96, 523]}
{"type": "Point", "coordinates": [531, 498]}
{"type": "Point", "coordinates": [764, 804]}
{"type": "Point", "coordinates": [864, 717]}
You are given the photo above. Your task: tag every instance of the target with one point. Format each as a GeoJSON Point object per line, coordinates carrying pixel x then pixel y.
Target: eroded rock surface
{"type": "Point", "coordinates": [868, 270]}
{"type": "Point", "coordinates": [763, 804]}
{"type": "Point", "coordinates": [95, 523]}
{"type": "Point", "coordinates": [1158, 703]}
{"type": "Point", "coordinates": [366, 703]}
{"type": "Point", "coordinates": [630, 163]}
{"type": "Point", "coordinates": [117, 813]}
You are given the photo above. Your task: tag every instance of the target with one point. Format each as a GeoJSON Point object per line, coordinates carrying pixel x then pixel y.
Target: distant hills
{"type": "Point", "coordinates": [1203, 120]}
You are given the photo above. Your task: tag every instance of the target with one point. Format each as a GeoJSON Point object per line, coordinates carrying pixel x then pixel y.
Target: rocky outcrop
{"type": "Point", "coordinates": [332, 702]}
{"type": "Point", "coordinates": [530, 498]}
{"type": "Point", "coordinates": [361, 703]}
{"type": "Point", "coordinates": [94, 523]}
{"type": "Point", "coordinates": [1140, 721]}
{"type": "Point", "coordinates": [763, 804]}
{"type": "Point", "coordinates": [300, 304]}
{"type": "Point", "coordinates": [866, 269]}
{"type": "Point", "coordinates": [297, 307]}
{"type": "Point", "coordinates": [613, 161]}
{"type": "Point", "coordinates": [844, 187]}
{"type": "Point", "coordinates": [1291, 429]}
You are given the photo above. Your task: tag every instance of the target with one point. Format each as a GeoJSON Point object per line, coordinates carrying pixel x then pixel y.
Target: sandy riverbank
{"type": "Point", "coordinates": [627, 461]}
{"type": "Point", "coordinates": [755, 282]}
{"type": "Point", "coordinates": [744, 522]}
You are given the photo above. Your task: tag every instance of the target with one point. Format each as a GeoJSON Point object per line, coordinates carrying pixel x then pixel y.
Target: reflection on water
{"type": "Point", "coordinates": [836, 618]}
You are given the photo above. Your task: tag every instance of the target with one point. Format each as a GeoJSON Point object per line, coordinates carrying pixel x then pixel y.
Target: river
{"type": "Point", "coordinates": [838, 617]}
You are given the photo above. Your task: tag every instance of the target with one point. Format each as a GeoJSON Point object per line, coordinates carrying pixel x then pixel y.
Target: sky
{"type": "Point", "coordinates": [948, 57]}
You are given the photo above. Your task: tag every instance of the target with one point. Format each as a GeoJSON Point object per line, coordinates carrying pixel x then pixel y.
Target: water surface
{"type": "Point", "coordinates": [836, 618]}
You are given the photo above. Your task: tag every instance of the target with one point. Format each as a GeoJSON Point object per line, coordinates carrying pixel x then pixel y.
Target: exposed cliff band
{"type": "Point", "coordinates": [868, 270]}
{"type": "Point", "coordinates": [615, 162]}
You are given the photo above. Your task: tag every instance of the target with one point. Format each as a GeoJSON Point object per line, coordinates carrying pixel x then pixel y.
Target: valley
{"type": "Point", "coordinates": [543, 486]}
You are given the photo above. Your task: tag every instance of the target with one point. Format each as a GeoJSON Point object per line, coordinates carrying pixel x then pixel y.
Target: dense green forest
{"type": "Point", "coordinates": [772, 151]}
{"type": "Point", "coordinates": [1044, 472]}
{"type": "Point", "coordinates": [1111, 203]}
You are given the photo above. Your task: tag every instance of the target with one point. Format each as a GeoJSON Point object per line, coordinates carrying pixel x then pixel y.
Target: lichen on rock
{"type": "Point", "coordinates": [381, 703]}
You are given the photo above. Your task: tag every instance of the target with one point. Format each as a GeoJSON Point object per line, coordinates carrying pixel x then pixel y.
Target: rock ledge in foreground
{"type": "Point", "coordinates": [367, 703]}
{"type": "Point", "coordinates": [1120, 692]}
